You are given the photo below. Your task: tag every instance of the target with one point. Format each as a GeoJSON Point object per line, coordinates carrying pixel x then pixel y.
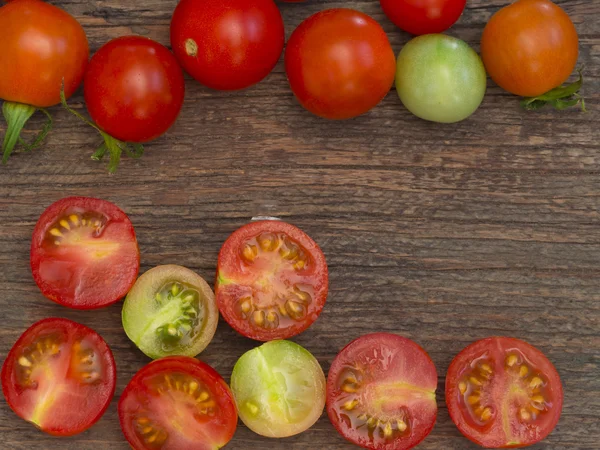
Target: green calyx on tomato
{"type": "Point", "coordinates": [560, 98]}
{"type": "Point", "coordinates": [440, 78]}
{"type": "Point", "coordinates": [170, 311]}
{"type": "Point", "coordinates": [279, 389]}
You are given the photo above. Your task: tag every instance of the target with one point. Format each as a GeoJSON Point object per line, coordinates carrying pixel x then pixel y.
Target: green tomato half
{"type": "Point", "coordinates": [440, 78]}
{"type": "Point", "coordinates": [170, 311]}
{"type": "Point", "coordinates": [279, 389]}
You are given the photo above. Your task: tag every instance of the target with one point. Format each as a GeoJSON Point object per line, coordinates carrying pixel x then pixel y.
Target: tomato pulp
{"type": "Point", "coordinates": [84, 253]}
{"type": "Point", "coordinates": [177, 403]}
{"type": "Point", "coordinates": [272, 280]}
{"type": "Point", "coordinates": [227, 44]}
{"type": "Point", "coordinates": [381, 392]}
{"type": "Point", "coordinates": [502, 392]}
{"type": "Point", "coordinates": [339, 63]}
{"type": "Point", "coordinates": [60, 376]}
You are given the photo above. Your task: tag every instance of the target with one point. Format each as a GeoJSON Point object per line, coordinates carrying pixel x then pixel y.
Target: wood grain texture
{"type": "Point", "coordinates": [441, 233]}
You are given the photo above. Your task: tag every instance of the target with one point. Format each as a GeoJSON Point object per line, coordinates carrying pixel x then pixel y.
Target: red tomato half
{"type": "Point", "coordinates": [272, 280]}
{"type": "Point", "coordinates": [423, 16]}
{"type": "Point", "coordinates": [381, 392]}
{"type": "Point", "coordinates": [84, 253]}
{"type": "Point", "coordinates": [503, 392]}
{"type": "Point", "coordinates": [60, 376]}
{"type": "Point", "coordinates": [134, 89]}
{"type": "Point", "coordinates": [227, 44]}
{"type": "Point", "coordinates": [177, 403]}
{"type": "Point", "coordinates": [340, 63]}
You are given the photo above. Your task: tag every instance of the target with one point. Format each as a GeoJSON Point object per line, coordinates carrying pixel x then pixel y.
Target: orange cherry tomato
{"type": "Point", "coordinates": [530, 47]}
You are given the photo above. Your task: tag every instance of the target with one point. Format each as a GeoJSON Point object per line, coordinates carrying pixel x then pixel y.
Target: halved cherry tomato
{"type": "Point", "coordinates": [423, 16]}
{"type": "Point", "coordinates": [340, 63]}
{"type": "Point", "coordinates": [84, 253]}
{"type": "Point", "coordinates": [503, 392]}
{"type": "Point", "coordinates": [530, 47]}
{"type": "Point", "coordinates": [40, 47]}
{"type": "Point", "coordinates": [279, 389]}
{"type": "Point", "coordinates": [381, 392]}
{"type": "Point", "coordinates": [170, 311]}
{"type": "Point", "coordinates": [227, 44]}
{"type": "Point", "coordinates": [272, 280]}
{"type": "Point", "coordinates": [60, 376]}
{"type": "Point", "coordinates": [177, 403]}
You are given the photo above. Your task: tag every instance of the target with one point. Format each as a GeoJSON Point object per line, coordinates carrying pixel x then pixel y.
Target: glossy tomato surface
{"type": "Point", "coordinates": [33, 73]}
{"type": "Point", "coordinates": [272, 280]}
{"type": "Point", "coordinates": [227, 44]}
{"type": "Point", "coordinates": [279, 389]}
{"type": "Point", "coordinates": [60, 376]}
{"type": "Point", "coordinates": [177, 403]}
{"type": "Point", "coordinates": [134, 89]}
{"type": "Point", "coordinates": [530, 47]}
{"type": "Point", "coordinates": [440, 78]}
{"type": "Point", "coordinates": [381, 392]}
{"type": "Point", "coordinates": [503, 392]}
{"type": "Point", "coordinates": [170, 311]}
{"type": "Point", "coordinates": [84, 253]}
{"type": "Point", "coordinates": [339, 63]}
{"type": "Point", "coordinates": [423, 16]}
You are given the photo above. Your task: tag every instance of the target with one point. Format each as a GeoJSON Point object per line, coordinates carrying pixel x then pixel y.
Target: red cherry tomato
{"type": "Point", "coordinates": [340, 63]}
{"type": "Point", "coordinates": [381, 392]}
{"type": "Point", "coordinates": [227, 44]}
{"type": "Point", "coordinates": [423, 16]}
{"type": "Point", "coordinates": [134, 89]}
{"type": "Point", "coordinates": [60, 376]}
{"type": "Point", "coordinates": [272, 280]}
{"type": "Point", "coordinates": [84, 253]}
{"type": "Point", "coordinates": [503, 392]}
{"type": "Point", "coordinates": [177, 403]}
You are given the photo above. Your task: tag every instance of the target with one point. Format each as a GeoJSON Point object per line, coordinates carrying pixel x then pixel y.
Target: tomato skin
{"type": "Point", "coordinates": [58, 274]}
{"type": "Point", "coordinates": [219, 428]}
{"type": "Point", "coordinates": [494, 351]}
{"type": "Point", "coordinates": [134, 89]}
{"type": "Point", "coordinates": [235, 43]}
{"type": "Point", "coordinates": [32, 73]}
{"type": "Point", "coordinates": [530, 47]}
{"type": "Point", "coordinates": [71, 418]}
{"type": "Point", "coordinates": [423, 16]}
{"type": "Point", "coordinates": [339, 63]}
{"type": "Point", "coordinates": [234, 278]}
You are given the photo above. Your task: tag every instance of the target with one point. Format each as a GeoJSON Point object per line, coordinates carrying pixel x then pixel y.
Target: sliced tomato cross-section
{"type": "Point", "coordinates": [177, 403]}
{"type": "Point", "coordinates": [84, 253]}
{"type": "Point", "coordinates": [503, 392]}
{"type": "Point", "coordinates": [60, 376]}
{"type": "Point", "coordinates": [381, 392]}
{"type": "Point", "coordinates": [272, 280]}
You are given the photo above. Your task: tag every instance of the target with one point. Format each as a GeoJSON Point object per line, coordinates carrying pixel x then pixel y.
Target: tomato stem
{"type": "Point", "coordinates": [114, 146]}
{"type": "Point", "coordinates": [560, 98]}
{"type": "Point", "coordinates": [17, 115]}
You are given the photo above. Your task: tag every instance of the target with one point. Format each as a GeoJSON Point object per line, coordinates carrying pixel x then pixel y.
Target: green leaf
{"type": "Point", "coordinates": [560, 98]}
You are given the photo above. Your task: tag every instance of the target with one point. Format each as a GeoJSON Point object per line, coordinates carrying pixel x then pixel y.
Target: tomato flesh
{"type": "Point", "coordinates": [177, 403]}
{"type": "Point", "coordinates": [503, 392]}
{"type": "Point", "coordinates": [84, 253]}
{"type": "Point", "coordinates": [60, 376]}
{"type": "Point", "coordinates": [272, 280]}
{"type": "Point", "coordinates": [170, 311]}
{"type": "Point", "coordinates": [279, 389]}
{"type": "Point", "coordinates": [381, 392]}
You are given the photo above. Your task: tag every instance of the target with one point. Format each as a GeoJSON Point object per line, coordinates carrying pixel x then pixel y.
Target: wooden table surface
{"type": "Point", "coordinates": [442, 233]}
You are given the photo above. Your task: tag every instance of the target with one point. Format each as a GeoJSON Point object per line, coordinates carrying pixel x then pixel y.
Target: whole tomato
{"type": "Point", "coordinates": [227, 44]}
{"type": "Point", "coordinates": [423, 16]}
{"type": "Point", "coordinates": [339, 63]}
{"type": "Point", "coordinates": [40, 46]}
{"type": "Point", "coordinates": [530, 47]}
{"type": "Point", "coordinates": [134, 91]}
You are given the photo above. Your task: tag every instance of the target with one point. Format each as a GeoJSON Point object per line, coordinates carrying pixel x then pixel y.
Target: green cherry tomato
{"type": "Point", "coordinates": [440, 78]}
{"type": "Point", "coordinates": [279, 389]}
{"type": "Point", "coordinates": [170, 311]}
